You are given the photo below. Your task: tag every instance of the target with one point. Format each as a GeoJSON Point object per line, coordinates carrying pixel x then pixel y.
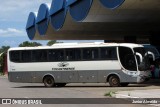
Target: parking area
{"type": "Point", "coordinates": [37, 90]}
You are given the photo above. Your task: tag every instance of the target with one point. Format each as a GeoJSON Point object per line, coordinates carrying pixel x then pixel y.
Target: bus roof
{"type": "Point", "coordinates": [78, 45]}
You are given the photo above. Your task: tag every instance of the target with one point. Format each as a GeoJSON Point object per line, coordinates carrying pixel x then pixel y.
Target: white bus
{"type": "Point", "coordinates": [57, 65]}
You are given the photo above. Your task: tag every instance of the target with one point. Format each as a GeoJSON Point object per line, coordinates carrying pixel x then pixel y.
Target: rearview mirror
{"type": "Point", "coordinates": [140, 57]}
{"type": "Point", "coordinates": [150, 53]}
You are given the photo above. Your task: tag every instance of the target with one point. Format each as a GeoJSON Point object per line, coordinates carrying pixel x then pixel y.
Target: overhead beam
{"type": "Point", "coordinates": [95, 19]}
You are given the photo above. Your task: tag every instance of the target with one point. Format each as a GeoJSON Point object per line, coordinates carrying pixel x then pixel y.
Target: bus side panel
{"type": "Point", "coordinates": [127, 78]}
{"type": "Point", "coordinates": [103, 75]}
{"type": "Point", "coordinates": [89, 76]}
{"type": "Point", "coordinates": [26, 77]}
{"type": "Point", "coordinates": [38, 76]}
{"type": "Point", "coordinates": [33, 76]}
{"type": "Point", "coordinates": [69, 76]}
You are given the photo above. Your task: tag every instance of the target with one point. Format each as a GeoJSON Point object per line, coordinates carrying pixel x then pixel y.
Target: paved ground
{"type": "Point", "coordinates": [151, 93]}
{"type": "Point", "coordinates": [29, 90]}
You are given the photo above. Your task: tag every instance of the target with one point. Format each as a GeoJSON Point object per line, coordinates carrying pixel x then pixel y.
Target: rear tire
{"type": "Point", "coordinates": [114, 81]}
{"type": "Point", "coordinates": [48, 81]}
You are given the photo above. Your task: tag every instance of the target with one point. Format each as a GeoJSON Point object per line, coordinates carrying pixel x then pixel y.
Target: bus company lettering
{"type": "Point", "coordinates": [63, 69]}
{"type": "Point", "coordinates": [63, 66]}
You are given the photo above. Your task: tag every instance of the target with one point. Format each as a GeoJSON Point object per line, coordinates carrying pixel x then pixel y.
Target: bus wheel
{"type": "Point", "coordinates": [124, 84]}
{"type": "Point", "coordinates": [114, 81]}
{"type": "Point", "coordinates": [48, 81]}
{"type": "Point", "coordinates": [60, 84]}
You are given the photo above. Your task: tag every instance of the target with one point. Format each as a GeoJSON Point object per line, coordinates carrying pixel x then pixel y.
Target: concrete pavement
{"type": "Point", "coordinates": [142, 93]}
{"type": "Point", "coordinates": [151, 93]}
{"type": "Point", "coordinates": [37, 90]}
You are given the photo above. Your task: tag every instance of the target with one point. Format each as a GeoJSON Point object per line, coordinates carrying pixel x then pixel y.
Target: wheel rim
{"type": "Point", "coordinates": [114, 81]}
{"type": "Point", "coordinates": [49, 81]}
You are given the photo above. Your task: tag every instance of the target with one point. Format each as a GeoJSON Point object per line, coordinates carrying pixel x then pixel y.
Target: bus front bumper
{"type": "Point", "coordinates": [141, 79]}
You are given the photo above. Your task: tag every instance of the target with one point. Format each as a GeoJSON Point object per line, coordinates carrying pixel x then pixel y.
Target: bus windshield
{"type": "Point", "coordinates": [127, 58]}
{"type": "Point", "coordinates": [144, 65]}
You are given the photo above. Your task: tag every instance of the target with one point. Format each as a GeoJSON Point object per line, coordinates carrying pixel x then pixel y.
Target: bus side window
{"type": "Point", "coordinates": [60, 55]}
{"type": "Point", "coordinates": [15, 56]}
{"type": "Point", "coordinates": [90, 54]}
{"type": "Point", "coordinates": [70, 54]}
{"type": "Point", "coordinates": [55, 55]}
{"type": "Point", "coordinates": [26, 56]}
{"type": "Point", "coordinates": [52, 55]}
{"type": "Point", "coordinates": [108, 53]}
{"type": "Point", "coordinates": [77, 54]}
{"type": "Point", "coordinates": [39, 55]}
{"type": "Point", "coordinates": [73, 54]}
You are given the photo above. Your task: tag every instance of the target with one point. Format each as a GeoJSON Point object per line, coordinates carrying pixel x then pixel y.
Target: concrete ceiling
{"type": "Point", "coordinates": [139, 18]}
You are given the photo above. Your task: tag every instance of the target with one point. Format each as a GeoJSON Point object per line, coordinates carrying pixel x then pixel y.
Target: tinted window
{"type": "Point", "coordinates": [25, 56]}
{"type": "Point", "coordinates": [90, 54]}
{"type": "Point", "coordinates": [15, 56]}
{"type": "Point", "coordinates": [39, 55]}
{"type": "Point", "coordinates": [73, 54]}
{"type": "Point", "coordinates": [56, 55]}
{"type": "Point", "coordinates": [108, 53]}
{"type": "Point", "coordinates": [127, 58]}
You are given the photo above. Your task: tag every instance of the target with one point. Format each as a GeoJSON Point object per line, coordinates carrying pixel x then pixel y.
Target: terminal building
{"type": "Point", "coordinates": [135, 21]}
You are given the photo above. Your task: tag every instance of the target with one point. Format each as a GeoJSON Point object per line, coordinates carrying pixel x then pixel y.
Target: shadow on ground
{"type": "Point", "coordinates": [93, 86]}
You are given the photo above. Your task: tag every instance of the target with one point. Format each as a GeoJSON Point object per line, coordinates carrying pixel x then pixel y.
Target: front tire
{"type": "Point", "coordinates": [114, 81]}
{"type": "Point", "coordinates": [48, 81]}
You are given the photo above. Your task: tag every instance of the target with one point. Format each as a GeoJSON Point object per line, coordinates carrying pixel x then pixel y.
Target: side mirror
{"type": "Point", "coordinates": [140, 57]}
{"type": "Point", "coordinates": [152, 54]}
